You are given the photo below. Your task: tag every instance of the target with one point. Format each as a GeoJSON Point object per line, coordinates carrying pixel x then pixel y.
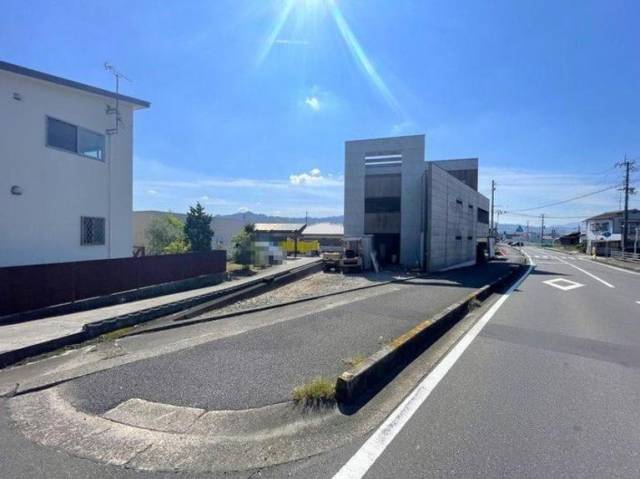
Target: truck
{"type": "Point", "coordinates": [348, 258]}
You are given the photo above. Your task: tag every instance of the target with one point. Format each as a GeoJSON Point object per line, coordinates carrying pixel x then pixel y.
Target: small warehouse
{"type": "Point", "coordinates": [286, 236]}
{"type": "Point", "coordinates": [327, 235]}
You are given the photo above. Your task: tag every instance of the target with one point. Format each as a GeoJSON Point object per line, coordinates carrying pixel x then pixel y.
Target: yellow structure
{"type": "Point", "coordinates": [304, 246]}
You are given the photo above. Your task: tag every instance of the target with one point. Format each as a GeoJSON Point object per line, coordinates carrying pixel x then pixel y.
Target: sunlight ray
{"type": "Point", "coordinates": [361, 57]}
{"type": "Point", "coordinates": [277, 28]}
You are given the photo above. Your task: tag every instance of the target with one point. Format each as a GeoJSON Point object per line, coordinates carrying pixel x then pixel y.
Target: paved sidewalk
{"type": "Point", "coordinates": [22, 335]}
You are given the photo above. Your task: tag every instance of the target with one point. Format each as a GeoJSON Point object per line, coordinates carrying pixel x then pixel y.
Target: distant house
{"type": "Point", "coordinates": [65, 180]}
{"type": "Point", "coordinates": [570, 239]}
{"type": "Point", "coordinates": [604, 231]}
{"type": "Point", "coordinates": [276, 232]}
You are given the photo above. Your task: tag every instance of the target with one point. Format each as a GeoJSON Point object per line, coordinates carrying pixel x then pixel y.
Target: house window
{"type": "Point", "coordinates": [75, 139]}
{"type": "Point", "coordinates": [62, 135]}
{"type": "Point", "coordinates": [90, 144]}
{"type": "Point", "coordinates": [91, 230]}
{"type": "Point", "coordinates": [600, 227]}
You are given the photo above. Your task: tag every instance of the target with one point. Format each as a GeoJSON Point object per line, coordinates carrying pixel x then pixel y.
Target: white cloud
{"type": "Point", "coordinates": [178, 188]}
{"type": "Point", "coordinates": [314, 177]}
{"type": "Point", "coordinates": [313, 102]}
{"type": "Point", "coordinates": [152, 192]}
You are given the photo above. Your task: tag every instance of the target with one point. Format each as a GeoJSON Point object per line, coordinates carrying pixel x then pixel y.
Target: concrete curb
{"type": "Point", "coordinates": [178, 310]}
{"type": "Point", "coordinates": [359, 382]}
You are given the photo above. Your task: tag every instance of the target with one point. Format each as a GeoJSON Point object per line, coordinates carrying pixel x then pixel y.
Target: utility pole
{"type": "Point", "coordinates": [629, 166]}
{"type": "Point", "coordinates": [492, 231]}
{"type": "Point", "coordinates": [527, 230]}
{"type": "Point", "coordinates": [542, 230]}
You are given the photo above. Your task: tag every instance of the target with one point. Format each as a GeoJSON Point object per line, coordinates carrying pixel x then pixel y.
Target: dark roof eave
{"type": "Point", "coordinates": [10, 67]}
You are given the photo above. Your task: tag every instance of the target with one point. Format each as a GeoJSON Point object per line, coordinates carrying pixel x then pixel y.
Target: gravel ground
{"type": "Point", "coordinates": [312, 285]}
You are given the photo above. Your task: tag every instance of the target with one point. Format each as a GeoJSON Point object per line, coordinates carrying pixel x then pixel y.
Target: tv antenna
{"type": "Point", "coordinates": [111, 110]}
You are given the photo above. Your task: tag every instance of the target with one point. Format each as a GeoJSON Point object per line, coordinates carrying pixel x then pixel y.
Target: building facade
{"type": "Point", "coordinates": [66, 182]}
{"type": "Point", "coordinates": [604, 231]}
{"type": "Point", "coordinates": [419, 214]}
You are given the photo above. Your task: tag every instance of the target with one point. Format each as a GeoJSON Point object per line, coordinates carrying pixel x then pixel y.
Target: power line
{"type": "Point", "coordinates": [525, 215]}
{"type": "Point", "coordinates": [566, 201]}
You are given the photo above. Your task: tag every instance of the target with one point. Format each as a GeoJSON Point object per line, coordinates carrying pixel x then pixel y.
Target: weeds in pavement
{"type": "Point", "coordinates": [355, 360]}
{"type": "Point", "coordinates": [475, 303]}
{"type": "Point", "coordinates": [113, 335]}
{"type": "Point", "coordinates": [319, 391]}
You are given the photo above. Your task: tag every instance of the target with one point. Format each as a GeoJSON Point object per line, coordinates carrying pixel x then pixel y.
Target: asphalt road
{"type": "Point", "coordinates": [262, 366]}
{"type": "Point", "coordinates": [549, 388]}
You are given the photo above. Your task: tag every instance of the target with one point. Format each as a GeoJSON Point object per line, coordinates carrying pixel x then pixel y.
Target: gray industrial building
{"type": "Point", "coordinates": [419, 213]}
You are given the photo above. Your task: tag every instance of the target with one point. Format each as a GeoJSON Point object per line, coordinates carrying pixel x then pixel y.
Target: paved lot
{"type": "Point", "coordinates": [262, 366]}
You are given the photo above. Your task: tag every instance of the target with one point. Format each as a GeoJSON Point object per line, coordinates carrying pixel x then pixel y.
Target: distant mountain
{"type": "Point", "coordinates": [560, 229]}
{"type": "Point", "coordinates": [250, 217]}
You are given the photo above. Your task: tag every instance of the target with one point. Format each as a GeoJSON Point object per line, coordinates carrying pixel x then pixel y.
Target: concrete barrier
{"type": "Point", "coordinates": [369, 376]}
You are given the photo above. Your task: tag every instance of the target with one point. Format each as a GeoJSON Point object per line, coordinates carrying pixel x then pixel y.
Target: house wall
{"type": "Point", "coordinates": [43, 224]}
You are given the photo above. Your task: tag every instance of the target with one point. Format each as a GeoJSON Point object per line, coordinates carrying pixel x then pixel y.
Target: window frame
{"type": "Point", "coordinates": [77, 150]}
{"type": "Point", "coordinates": [104, 232]}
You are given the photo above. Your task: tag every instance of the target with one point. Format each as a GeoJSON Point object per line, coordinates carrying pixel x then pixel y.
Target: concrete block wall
{"type": "Point", "coordinates": [448, 219]}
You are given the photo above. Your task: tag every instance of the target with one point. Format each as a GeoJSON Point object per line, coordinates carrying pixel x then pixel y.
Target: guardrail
{"type": "Point", "coordinates": [623, 255]}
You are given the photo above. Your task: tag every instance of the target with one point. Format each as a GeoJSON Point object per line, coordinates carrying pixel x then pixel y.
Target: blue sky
{"type": "Point", "coordinates": [252, 100]}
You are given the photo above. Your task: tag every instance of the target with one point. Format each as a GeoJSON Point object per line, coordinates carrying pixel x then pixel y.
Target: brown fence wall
{"type": "Point", "coordinates": [24, 288]}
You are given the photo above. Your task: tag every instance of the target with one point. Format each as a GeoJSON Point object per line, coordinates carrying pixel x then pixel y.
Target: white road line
{"type": "Point", "coordinates": [586, 272]}
{"type": "Point", "coordinates": [373, 448]}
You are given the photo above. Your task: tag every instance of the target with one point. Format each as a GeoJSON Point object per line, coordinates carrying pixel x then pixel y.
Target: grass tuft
{"type": "Point", "coordinates": [113, 335]}
{"type": "Point", "coordinates": [475, 303]}
{"type": "Point", "coordinates": [355, 360]}
{"type": "Point", "coordinates": [319, 391]}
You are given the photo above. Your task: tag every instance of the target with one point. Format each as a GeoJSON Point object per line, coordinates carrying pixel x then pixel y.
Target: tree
{"type": "Point", "coordinates": [166, 235]}
{"type": "Point", "coordinates": [243, 245]}
{"type": "Point", "coordinates": [197, 228]}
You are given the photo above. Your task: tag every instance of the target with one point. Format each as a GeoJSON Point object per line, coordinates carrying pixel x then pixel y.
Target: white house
{"type": "Point", "coordinates": [65, 173]}
{"type": "Point", "coordinates": [604, 231]}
